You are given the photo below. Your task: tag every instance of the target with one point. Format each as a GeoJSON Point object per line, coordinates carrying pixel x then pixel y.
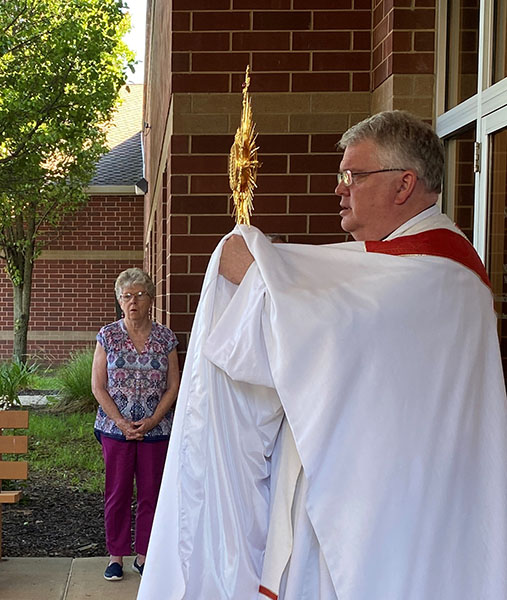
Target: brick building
{"type": "Point", "coordinates": [318, 66]}
{"type": "Point", "coordinates": [72, 295]}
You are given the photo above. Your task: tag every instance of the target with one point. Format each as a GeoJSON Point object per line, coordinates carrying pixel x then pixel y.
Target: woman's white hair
{"type": "Point", "coordinates": [403, 142]}
{"type": "Point", "coordinates": [131, 277]}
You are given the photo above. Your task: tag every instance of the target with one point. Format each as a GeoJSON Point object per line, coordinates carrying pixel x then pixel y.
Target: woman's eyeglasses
{"type": "Point", "coordinates": [138, 296]}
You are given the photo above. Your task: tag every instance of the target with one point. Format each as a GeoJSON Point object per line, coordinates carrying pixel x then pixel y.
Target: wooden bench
{"type": "Point", "coordinates": [12, 444]}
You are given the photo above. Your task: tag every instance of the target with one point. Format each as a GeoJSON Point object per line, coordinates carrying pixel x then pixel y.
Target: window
{"type": "Point", "coordinates": [462, 51]}
{"type": "Point", "coordinates": [459, 180]}
{"type": "Point", "coordinates": [496, 253]}
{"type": "Point", "coordinates": [499, 42]}
{"type": "Point", "coordinates": [472, 119]}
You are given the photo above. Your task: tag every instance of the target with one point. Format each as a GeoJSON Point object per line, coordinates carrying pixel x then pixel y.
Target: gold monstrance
{"type": "Point", "coordinates": [243, 163]}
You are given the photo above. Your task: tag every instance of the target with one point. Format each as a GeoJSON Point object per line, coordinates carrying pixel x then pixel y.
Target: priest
{"type": "Point", "coordinates": [341, 428]}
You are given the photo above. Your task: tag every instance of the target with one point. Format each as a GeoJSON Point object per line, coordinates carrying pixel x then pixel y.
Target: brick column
{"type": "Point", "coordinates": [403, 57]}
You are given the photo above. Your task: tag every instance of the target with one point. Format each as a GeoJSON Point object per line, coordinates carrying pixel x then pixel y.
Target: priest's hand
{"type": "Point", "coordinates": [235, 259]}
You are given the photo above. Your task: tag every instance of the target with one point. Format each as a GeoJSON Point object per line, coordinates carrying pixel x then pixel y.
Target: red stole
{"type": "Point", "coordinates": [435, 242]}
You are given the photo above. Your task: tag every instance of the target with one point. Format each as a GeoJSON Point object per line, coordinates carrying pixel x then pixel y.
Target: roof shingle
{"type": "Point", "coordinates": [123, 164]}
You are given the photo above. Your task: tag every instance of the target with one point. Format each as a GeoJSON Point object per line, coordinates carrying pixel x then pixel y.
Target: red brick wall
{"type": "Point", "coordinates": [308, 48]}
{"type": "Point", "coordinates": [73, 283]}
{"type": "Point", "coordinates": [294, 197]}
{"type": "Point", "coordinates": [313, 75]}
{"type": "Point", "coordinates": [403, 38]}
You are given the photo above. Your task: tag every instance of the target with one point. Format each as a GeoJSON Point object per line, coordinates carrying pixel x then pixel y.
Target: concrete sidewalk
{"type": "Point", "coordinates": [64, 579]}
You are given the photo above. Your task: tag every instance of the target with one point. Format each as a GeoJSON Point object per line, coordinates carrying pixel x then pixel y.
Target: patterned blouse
{"type": "Point", "coordinates": [136, 381]}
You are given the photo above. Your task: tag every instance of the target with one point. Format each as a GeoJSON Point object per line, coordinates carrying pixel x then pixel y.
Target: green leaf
{"type": "Point", "coordinates": [62, 63]}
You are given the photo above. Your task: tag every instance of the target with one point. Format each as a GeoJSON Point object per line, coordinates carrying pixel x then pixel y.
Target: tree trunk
{"type": "Point", "coordinates": [22, 300]}
{"type": "Point", "coordinates": [20, 259]}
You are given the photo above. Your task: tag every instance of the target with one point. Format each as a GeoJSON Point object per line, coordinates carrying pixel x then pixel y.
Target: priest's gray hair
{"type": "Point", "coordinates": [131, 277]}
{"type": "Point", "coordinates": [403, 142]}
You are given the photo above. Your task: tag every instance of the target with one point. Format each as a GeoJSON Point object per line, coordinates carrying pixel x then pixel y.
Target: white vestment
{"type": "Point", "coordinates": [387, 371]}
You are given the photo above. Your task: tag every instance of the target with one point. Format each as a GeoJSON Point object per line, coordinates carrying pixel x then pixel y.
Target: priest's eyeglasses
{"type": "Point", "coordinates": [138, 296]}
{"type": "Point", "coordinates": [347, 177]}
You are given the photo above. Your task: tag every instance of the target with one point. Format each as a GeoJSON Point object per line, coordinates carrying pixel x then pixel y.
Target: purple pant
{"type": "Point", "coordinates": [123, 462]}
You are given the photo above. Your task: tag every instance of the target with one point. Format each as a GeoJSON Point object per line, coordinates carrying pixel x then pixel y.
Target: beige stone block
{"type": "Point", "coordinates": [382, 97]}
{"type": "Point", "coordinates": [357, 117]}
{"type": "Point", "coordinates": [231, 104]}
{"type": "Point", "coordinates": [424, 85]}
{"type": "Point", "coordinates": [377, 103]}
{"type": "Point", "coordinates": [69, 336]}
{"type": "Point", "coordinates": [386, 87]}
{"type": "Point", "coordinates": [264, 123]}
{"type": "Point", "coordinates": [318, 123]}
{"type": "Point", "coordinates": [92, 255]}
{"type": "Point", "coordinates": [405, 92]}
{"type": "Point", "coordinates": [421, 107]}
{"type": "Point", "coordinates": [181, 103]}
{"type": "Point", "coordinates": [216, 103]}
{"type": "Point", "coordinates": [281, 103]}
{"type": "Point", "coordinates": [403, 85]}
{"type": "Point", "coordinates": [191, 123]}
{"type": "Point", "coordinates": [329, 102]}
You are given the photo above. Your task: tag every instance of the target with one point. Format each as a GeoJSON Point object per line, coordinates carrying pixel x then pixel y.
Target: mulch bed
{"type": "Point", "coordinates": [52, 520]}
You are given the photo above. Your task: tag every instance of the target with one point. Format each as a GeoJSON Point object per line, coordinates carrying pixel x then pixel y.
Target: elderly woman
{"type": "Point", "coordinates": [135, 379]}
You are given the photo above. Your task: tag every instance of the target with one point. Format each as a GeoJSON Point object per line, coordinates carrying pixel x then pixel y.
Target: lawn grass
{"type": "Point", "coordinates": [61, 443]}
{"type": "Point", "coordinates": [44, 380]}
{"type": "Point", "coordinates": [63, 447]}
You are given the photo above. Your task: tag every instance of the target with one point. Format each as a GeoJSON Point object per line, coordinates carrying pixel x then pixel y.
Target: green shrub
{"type": "Point", "coordinates": [14, 376]}
{"type": "Point", "coordinates": [75, 385]}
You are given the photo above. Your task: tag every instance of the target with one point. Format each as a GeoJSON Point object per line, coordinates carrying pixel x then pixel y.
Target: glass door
{"type": "Point", "coordinates": [495, 144]}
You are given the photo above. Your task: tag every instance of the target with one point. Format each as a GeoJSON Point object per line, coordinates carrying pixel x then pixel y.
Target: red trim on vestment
{"type": "Point", "coordinates": [268, 593]}
{"type": "Point", "coordinates": [435, 242]}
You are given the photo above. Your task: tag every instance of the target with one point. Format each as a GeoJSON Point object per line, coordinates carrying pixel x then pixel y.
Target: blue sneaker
{"type": "Point", "coordinates": [114, 572]}
{"type": "Point", "coordinates": [137, 568]}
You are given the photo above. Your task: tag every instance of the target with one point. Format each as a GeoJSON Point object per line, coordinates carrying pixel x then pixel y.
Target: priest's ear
{"type": "Point", "coordinates": [406, 185]}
